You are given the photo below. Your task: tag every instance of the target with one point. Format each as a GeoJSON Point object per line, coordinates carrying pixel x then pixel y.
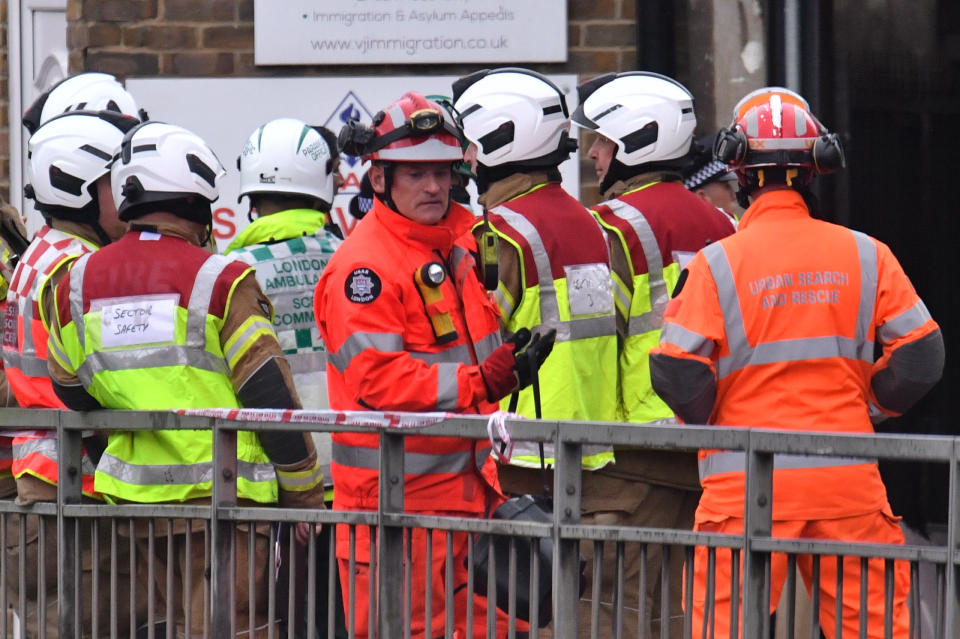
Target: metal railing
{"type": "Point", "coordinates": [390, 527]}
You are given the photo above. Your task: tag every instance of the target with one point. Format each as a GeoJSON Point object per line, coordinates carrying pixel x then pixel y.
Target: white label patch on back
{"type": "Point", "coordinates": [589, 289]}
{"type": "Point", "coordinates": [135, 321]}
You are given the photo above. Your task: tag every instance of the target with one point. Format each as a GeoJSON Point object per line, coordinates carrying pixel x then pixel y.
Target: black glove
{"type": "Point", "coordinates": [533, 356]}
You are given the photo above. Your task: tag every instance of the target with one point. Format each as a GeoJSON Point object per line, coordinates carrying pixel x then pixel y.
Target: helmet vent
{"type": "Point", "coordinates": [205, 172]}
{"type": "Point", "coordinates": [65, 182]}
{"type": "Point", "coordinates": [499, 137]}
{"type": "Point", "coordinates": [640, 138]}
{"type": "Point", "coordinates": [94, 151]}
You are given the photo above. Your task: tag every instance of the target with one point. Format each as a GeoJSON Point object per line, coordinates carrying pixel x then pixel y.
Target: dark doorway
{"type": "Point", "coordinates": [886, 76]}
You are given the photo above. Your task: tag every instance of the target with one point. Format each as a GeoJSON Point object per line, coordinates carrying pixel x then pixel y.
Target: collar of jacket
{"type": "Point", "coordinates": [282, 225]}
{"type": "Point", "coordinates": [169, 229]}
{"type": "Point", "coordinates": [637, 181]}
{"type": "Point", "coordinates": [80, 231]}
{"type": "Point", "coordinates": [784, 203]}
{"type": "Point", "coordinates": [440, 236]}
{"type": "Point", "coordinates": [511, 187]}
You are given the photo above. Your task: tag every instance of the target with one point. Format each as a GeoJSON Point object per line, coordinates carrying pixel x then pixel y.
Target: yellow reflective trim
{"type": "Point", "coordinates": [536, 188]}
{"type": "Point", "coordinates": [504, 300]}
{"type": "Point", "coordinates": [243, 338]}
{"type": "Point", "coordinates": [300, 480]}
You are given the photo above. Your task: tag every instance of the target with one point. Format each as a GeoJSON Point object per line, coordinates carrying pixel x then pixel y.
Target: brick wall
{"type": "Point", "coordinates": [215, 38]}
{"type": "Point", "coordinates": [4, 107]}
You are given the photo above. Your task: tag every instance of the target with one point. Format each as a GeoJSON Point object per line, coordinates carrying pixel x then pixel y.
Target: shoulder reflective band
{"type": "Point", "coordinates": [907, 321]}
{"type": "Point", "coordinates": [659, 296]}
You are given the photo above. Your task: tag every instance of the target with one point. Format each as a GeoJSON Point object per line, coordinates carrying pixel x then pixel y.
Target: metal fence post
{"type": "Point", "coordinates": [757, 523]}
{"type": "Point", "coordinates": [953, 535]}
{"type": "Point", "coordinates": [566, 552]}
{"type": "Point", "coordinates": [69, 491]}
{"type": "Point", "coordinates": [390, 549]}
{"type": "Point", "coordinates": [222, 537]}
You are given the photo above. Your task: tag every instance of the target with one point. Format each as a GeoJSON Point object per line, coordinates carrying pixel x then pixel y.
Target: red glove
{"type": "Point", "coordinates": [498, 370]}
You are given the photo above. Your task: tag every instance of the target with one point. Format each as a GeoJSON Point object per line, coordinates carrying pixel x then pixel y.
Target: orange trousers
{"type": "Point", "coordinates": [877, 527]}
{"type": "Point", "coordinates": [418, 580]}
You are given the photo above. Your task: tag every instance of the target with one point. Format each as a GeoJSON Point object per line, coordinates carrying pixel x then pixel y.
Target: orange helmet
{"type": "Point", "coordinates": [773, 127]}
{"type": "Point", "coordinates": [412, 129]}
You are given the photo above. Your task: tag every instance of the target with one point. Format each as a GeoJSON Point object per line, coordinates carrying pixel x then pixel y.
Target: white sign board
{"type": "Point", "coordinates": [409, 31]}
{"type": "Point", "coordinates": [225, 111]}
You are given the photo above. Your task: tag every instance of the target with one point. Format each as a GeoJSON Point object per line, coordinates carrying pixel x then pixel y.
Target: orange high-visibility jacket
{"type": "Point", "coordinates": [785, 313]}
{"type": "Point", "coordinates": [382, 354]}
{"type": "Point", "coordinates": [25, 349]}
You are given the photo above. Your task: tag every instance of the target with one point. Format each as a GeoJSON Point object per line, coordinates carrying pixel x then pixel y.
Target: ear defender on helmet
{"type": "Point", "coordinates": [828, 153]}
{"type": "Point", "coordinates": [355, 138]}
{"type": "Point", "coordinates": [730, 147]}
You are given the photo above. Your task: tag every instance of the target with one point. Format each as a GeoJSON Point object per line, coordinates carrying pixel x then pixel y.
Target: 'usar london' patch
{"type": "Point", "coordinates": [362, 286]}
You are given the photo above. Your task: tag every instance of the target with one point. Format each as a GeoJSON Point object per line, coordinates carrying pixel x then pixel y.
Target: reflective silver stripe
{"type": "Point", "coordinates": [549, 306]}
{"type": "Point", "coordinates": [29, 365]}
{"type": "Point", "coordinates": [487, 345]}
{"type": "Point", "coordinates": [687, 340]}
{"type": "Point", "coordinates": [623, 295]}
{"type": "Point", "coordinates": [152, 357]}
{"type": "Point", "coordinates": [460, 354]}
{"type": "Point", "coordinates": [732, 461]}
{"type": "Point", "coordinates": [730, 307]}
{"type": "Point", "coordinates": [505, 306]}
{"type": "Point", "coordinates": [659, 296]}
{"type": "Point", "coordinates": [26, 314]}
{"type": "Point", "coordinates": [909, 320]}
{"type": "Point", "coordinates": [53, 346]}
{"type": "Point", "coordinates": [793, 350]}
{"type": "Point", "coordinates": [47, 446]}
{"type": "Point", "coordinates": [200, 296]}
{"type": "Point", "coordinates": [867, 252]}
{"type": "Point", "coordinates": [447, 386]}
{"type": "Point", "coordinates": [414, 463]}
{"type": "Point", "coordinates": [186, 474]}
{"type": "Point", "coordinates": [307, 362]}
{"type": "Point", "coordinates": [359, 342]}
{"type": "Point", "coordinates": [457, 354]}
{"type": "Point", "coordinates": [258, 324]}
{"type": "Point", "coordinates": [77, 274]}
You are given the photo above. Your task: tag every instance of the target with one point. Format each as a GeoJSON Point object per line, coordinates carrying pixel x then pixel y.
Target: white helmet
{"type": "Point", "coordinates": [649, 116]}
{"type": "Point", "coordinates": [85, 91]}
{"type": "Point", "coordinates": [162, 162]}
{"type": "Point", "coordinates": [514, 116]}
{"type": "Point", "coordinates": [289, 156]}
{"type": "Point", "coordinates": [68, 154]}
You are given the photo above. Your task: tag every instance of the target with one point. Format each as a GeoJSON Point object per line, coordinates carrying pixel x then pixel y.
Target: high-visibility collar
{"type": "Point", "coordinates": [440, 236]}
{"type": "Point", "coordinates": [512, 187]}
{"type": "Point", "coordinates": [783, 204]}
{"type": "Point", "coordinates": [280, 226]}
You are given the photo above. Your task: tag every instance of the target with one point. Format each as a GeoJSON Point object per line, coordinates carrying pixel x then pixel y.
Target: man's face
{"type": "Point", "coordinates": [337, 178]}
{"type": "Point", "coordinates": [722, 194]}
{"type": "Point", "coordinates": [112, 225]}
{"type": "Point", "coordinates": [601, 152]}
{"type": "Point", "coordinates": [420, 190]}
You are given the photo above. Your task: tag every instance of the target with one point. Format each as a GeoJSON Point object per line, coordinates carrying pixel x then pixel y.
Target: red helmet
{"type": "Point", "coordinates": [412, 129]}
{"type": "Point", "coordinates": [773, 127]}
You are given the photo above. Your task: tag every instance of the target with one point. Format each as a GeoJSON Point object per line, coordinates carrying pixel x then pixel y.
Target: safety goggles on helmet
{"type": "Point", "coordinates": [412, 129]}
{"type": "Point", "coordinates": [420, 124]}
